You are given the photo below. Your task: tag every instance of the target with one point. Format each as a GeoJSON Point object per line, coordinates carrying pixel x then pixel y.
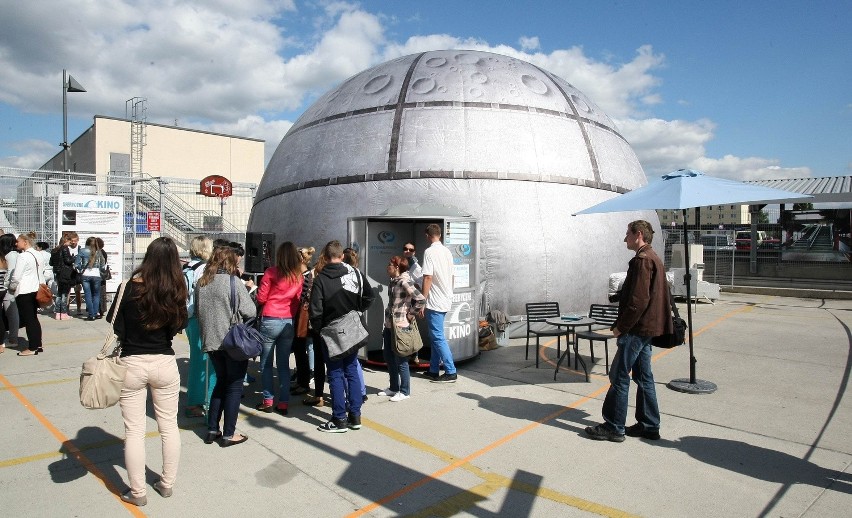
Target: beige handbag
{"type": "Point", "coordinates": [102, 377]}
{"type": "Point", "coordinates": [407, 340]}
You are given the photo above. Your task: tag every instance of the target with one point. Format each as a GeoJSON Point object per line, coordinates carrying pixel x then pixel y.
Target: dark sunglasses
{"type": "Point", "coordinates": [407, 249]}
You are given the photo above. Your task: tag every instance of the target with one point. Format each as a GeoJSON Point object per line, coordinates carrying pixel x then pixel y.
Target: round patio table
{"type": "Point", "coordinates": [572, 324]}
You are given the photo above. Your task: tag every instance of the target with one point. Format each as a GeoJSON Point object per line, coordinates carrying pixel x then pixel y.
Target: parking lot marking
{"type": "Point", "coordinates": [455, 463]}
{"type": "Point", "coordinates": [71, 448]}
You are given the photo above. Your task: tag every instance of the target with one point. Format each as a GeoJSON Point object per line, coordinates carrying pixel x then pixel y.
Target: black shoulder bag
{"type": "Point", "coordinates": [678, 335]}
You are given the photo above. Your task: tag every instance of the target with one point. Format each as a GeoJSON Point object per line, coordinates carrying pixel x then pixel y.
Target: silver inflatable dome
{"type": "Point", "coordinates": [513, 145]}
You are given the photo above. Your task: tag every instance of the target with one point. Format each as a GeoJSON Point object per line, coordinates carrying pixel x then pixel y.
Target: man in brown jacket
{"type": "Point", "coordinates": [644, 311]}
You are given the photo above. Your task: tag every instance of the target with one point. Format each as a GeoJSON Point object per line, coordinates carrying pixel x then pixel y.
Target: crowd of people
{"type": "Point", "coordinates": [27, 264]}
{"type": "Point", "coordinates": [207, 294]}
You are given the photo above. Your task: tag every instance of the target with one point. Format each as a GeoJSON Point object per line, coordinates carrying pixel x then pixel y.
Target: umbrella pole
{"type": "Point", "coordinates": [691, 385]}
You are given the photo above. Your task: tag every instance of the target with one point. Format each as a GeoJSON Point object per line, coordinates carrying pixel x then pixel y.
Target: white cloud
{"type": "Point", "coordinates": [529, 43]}
{"type": "Point", "coordinates": [664, 146]}
{"type": "Point", "coordinates": [238, 68]}
{"type": "Point", "coordinates": [29, 154]}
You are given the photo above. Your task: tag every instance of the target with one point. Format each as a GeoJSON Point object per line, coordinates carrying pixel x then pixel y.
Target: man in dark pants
{"type": "Point", "coordinates": [644, 312]}
{"type": "Point", "coordinates": [337, 290]}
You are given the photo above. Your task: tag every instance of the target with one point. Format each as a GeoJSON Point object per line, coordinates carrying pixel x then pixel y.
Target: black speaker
{"type": "Point", "coordinates": [260, 251]}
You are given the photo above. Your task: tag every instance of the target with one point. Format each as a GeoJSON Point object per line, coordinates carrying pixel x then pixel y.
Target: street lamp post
{"type": "Point", "coordinates": [68, 85]}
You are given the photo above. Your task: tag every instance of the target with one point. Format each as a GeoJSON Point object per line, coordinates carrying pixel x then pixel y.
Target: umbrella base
{"type": "Point", "coordinates": [699, 387]}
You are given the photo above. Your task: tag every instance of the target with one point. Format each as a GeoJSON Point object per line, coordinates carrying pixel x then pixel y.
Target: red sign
{"type": "Point", "coordinates": [153, 221]}
{"type": "Point", "coordinates": [216, 186]}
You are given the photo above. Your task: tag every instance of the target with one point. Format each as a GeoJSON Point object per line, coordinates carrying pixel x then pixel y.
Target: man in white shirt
{"type": "Point", "coordinates": [438, 290]}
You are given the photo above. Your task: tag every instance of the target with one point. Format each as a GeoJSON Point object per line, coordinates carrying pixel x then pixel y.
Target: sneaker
{"type": "Point", "coordinates": [333, 426]}
{"type": "Point", "coordinates": [282, 408]}
{"type": "Point", "coordinates": [431, 376]}
{"type": "Point", "coordinates": [387, 392]}
{"type": "Point", "coordinates": [265, 406]}
{"type": "Point", "coordinates": [603, 432]}
{"type": "Point", "coordinates": [638, 430]}
{"type": "Point", "coordinates": [399, 396]}
{"type": "Point", "coordinates": [446, 378]}
{"type": "Point", "coordinates": [354, 422]}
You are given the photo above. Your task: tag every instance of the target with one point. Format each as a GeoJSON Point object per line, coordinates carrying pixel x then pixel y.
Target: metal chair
{"type": "Point", "coordinates": [604, 316]}
{"type": "Point", "coordinates": [537, 314]}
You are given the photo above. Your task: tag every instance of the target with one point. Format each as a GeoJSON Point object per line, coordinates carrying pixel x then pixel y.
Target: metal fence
{"type": "Point", "coordinates": [29, 201]}
{"type": "Point", "coordinates": [773, 253]}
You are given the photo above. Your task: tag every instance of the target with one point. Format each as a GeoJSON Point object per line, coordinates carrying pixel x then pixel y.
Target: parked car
{"type": "Point", "coordinates": [717, 242]}
{"type": "Point", "coordinates": [743, 240]}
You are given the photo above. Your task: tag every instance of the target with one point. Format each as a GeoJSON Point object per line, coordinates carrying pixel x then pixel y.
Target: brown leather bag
{"type": "Point", "coordinates": [302, 322]}
{"type": "Point", "coordinates": [44, 297]}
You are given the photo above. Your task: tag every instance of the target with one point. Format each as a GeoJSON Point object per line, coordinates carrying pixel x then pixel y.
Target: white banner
{"type": "Point", "coordinates": [96, 216]}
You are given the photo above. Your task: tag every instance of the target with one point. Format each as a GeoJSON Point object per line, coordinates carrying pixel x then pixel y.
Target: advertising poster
{"type": "Point", "coordinates": [96, 216]}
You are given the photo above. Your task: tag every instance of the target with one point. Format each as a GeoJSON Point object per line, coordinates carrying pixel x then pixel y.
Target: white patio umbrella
{"type": "Point", "coordinates": [685, 189]}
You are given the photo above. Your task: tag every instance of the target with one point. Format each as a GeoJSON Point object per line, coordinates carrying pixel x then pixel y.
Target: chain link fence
{"type": "Point", "coordinates": [809, 249]}
{"type": "Point", "coordinates": [29, 203]}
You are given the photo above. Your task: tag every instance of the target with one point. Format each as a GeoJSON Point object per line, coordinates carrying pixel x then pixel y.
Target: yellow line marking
{"type": "Point", "coordinates": [41, 383]}
{"type": "Point", "coordinates": [456, 463]}
{"type": "Point", "coordinates": [73, 450]}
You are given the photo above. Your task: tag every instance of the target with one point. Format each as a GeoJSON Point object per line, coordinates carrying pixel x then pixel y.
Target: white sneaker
{"type": "Point", "coordinates": [387, 392]}
{"type": "Point", "coordinates": [399, 396]}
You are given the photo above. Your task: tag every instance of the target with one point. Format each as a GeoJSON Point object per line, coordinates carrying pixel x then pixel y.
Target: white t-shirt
{"type": "Point", "coordinates": [438, 262]}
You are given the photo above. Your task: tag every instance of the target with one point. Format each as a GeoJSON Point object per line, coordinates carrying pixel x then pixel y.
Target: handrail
{"type": "Point", "coordinates": [815, 235]}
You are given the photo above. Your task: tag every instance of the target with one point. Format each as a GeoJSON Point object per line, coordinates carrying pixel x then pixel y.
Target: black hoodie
{"type": "Point", "coordinates": [335, 293]}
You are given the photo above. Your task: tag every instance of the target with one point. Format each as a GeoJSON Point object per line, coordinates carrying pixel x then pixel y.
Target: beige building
{"type": "Point", "coordinates": [711, 215]}
{"type": "Point", "coordinates": [158, 168]}
{"type": "Point", "coordinates": [168, 151]}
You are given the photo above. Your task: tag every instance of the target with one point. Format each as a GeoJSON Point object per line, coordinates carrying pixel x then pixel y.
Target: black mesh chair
{"type": "Point", "coordinates": [604, 316]}
{"type": "Point", "coordinates": [537, 314]}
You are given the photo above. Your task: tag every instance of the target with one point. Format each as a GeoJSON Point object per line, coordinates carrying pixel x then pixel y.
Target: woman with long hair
{"type": "Point", "coordinates": [4, 272]}
{"type": "Point", "coordinates": [279, 294]}
{"type": "Point", "coordinates": [89, 262]}
{"type": "Point", "coordinates": [66, 276]}
{"type": "Point", "coordinates": [303, 346]}
{"type": "Point", "coordinates": [319, 360]}
{"type": "Point", "coordinates": [152, 311]}
{"type": "Point", "coordinates": [213, 307]}
{"type": "Point", "coordinates": [8, 249]}
{"type": "Point", "coordinates": [404, 301]}
{"type": "Point", "coordinates": [103, 307]}
{"type": "Point", "coordinates": [24, 283]}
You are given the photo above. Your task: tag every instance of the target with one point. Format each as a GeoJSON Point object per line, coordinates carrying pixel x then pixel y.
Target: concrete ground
{"type": "Point", "coordinates": [506, 439]}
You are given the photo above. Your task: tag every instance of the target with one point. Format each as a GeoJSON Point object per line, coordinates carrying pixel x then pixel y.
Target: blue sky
{"type": "Point", "coordinates": [743, 90]}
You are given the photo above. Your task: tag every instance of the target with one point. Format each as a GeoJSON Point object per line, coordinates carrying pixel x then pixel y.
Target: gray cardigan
{"type": "Point", "coordinates": [213, 308]}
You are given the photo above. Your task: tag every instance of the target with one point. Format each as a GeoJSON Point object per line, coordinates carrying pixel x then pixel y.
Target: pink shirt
{"type": "Point", "coordinates": [279, 295]}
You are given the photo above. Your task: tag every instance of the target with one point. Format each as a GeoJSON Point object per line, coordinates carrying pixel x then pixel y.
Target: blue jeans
{"type": "Point", "coordinates": [61, 303]}
{"type": "Point", "coordinates": [92, 290]}
{"type": "Point", "coordinates": [440, 348]}
{"type": "Point", "coordinates": [227, 392]}
{"type": "Point", "coordinates": [400, 378]}
{"type": "Point", "coordinates": [634, 354]}
{"type": "Point", "coordinates": [277, 332]}
{"type": "Point", "coordinates": [343, 384]}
